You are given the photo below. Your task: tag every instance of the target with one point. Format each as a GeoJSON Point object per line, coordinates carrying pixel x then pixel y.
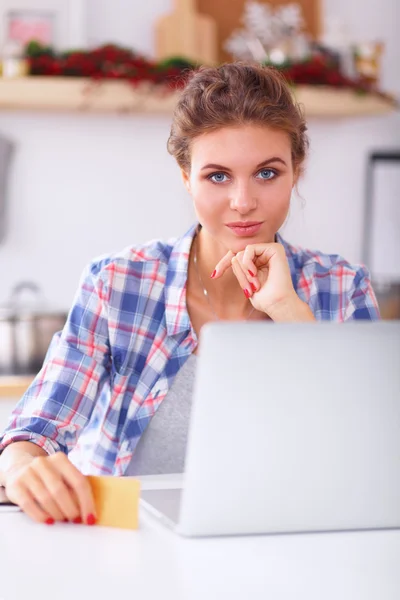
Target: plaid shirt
{"type": "Point", "coordinates": [128, 333]}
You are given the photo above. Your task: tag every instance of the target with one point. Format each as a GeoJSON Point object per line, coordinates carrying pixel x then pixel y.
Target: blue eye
{"type": "Point", "coordinates": [267, 174]}
{"type": "Point", "coordinates": [217, 177]}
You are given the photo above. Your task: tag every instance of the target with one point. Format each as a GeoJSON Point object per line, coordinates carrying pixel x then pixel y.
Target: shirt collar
{"type": "Point", "coordinates": [291, 258]}
{"type": "Point", "coordinates": [176, 313]}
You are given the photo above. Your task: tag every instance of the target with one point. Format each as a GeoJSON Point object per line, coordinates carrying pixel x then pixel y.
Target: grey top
{"type": "Point", "coordinates": [162, 447]}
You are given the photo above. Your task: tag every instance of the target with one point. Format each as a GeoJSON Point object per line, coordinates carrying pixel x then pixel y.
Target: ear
{"type": "Point", "coordinates": [186, 180]}
{"type": "Point", "coordinates": [296, 176]}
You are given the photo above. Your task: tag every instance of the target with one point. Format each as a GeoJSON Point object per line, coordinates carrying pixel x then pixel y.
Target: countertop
{"type": "Point", "coordinates": [14, 385]}
{"type": "Point", "coordinates": [67, 561]}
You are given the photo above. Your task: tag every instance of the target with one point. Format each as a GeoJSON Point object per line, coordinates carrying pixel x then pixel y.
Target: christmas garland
{"type": "Point", "coordinates": [114, 62]}
{"type": "Point", "coordinates": [106, 62]}
{"type": "Point", "coordinates": [321, 69]}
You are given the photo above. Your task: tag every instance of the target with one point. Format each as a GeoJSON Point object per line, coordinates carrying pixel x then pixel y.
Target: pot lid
{"type": "Point", "coordinates": [27, 300]}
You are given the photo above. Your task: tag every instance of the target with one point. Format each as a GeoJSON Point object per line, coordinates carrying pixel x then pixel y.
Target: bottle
{"type": "Point", "coordinates": [13, 61]}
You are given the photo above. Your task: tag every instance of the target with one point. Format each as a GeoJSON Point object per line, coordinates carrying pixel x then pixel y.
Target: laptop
{"type": "Point", "coordinates": [294, 428]}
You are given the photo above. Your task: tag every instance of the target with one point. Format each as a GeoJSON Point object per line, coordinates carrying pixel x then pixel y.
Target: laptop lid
{"type": "Point", "coordinates": [294, 427]}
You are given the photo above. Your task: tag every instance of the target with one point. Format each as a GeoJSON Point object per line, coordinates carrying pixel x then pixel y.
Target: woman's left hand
{"type": "Point", "coordinates": [263, 273]}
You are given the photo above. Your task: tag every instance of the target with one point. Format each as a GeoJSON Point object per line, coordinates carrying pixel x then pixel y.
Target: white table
{"type": "Point", "coordinates": [67, 561]}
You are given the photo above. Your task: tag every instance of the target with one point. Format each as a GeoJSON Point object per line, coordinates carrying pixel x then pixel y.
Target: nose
{"type": "Point", "coordinates": [242, 199]}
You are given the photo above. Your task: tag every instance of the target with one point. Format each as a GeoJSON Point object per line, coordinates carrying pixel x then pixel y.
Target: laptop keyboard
{"type": "Point", "coordinates": [167, 502]}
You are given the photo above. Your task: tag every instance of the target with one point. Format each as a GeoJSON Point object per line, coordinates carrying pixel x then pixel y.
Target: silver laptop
{"type": "Point", "coordinates": [294, 428]}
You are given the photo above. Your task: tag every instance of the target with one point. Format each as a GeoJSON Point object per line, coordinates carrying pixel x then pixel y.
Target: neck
{"type": "Point", "coordinates": [184, 6]}
{"type": "Point", "coordinates": [225, 294]}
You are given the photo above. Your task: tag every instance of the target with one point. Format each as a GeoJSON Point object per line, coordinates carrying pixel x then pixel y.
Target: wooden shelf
{"type": "Point", "coordinates": [14, 385]}
{"type": "Point", "coordinates": [325, 102]}
{"type": "Point", "coordinates": [78, 94]}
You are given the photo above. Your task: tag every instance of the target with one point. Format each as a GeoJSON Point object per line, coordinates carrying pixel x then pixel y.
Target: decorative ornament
{"type": "Point", "coordinates": [367, 59]}
{"type": "Point", "coordinates": [12, 61]}
{"type": "Point", "coordinates": [270, 34]}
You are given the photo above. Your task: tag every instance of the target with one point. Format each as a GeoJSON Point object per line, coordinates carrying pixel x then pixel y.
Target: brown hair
{"type": "Point", "coordinates": [238, 93]}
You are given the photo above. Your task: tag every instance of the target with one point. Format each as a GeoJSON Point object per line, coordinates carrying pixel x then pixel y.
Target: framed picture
{"type": "Point", "coordinates": [381, 239]}
{"type": "Point", "coordinates": [23, 26]}
{"type": "Point", "coordinates": [60, 23]}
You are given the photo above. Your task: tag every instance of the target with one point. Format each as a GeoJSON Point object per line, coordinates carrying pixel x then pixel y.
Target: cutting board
{"type": "Point", "coordinates": [187, 34]}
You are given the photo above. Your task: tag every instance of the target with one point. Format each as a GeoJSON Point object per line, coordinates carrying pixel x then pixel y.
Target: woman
{"type": "Point", "coordinates": [130, 342]}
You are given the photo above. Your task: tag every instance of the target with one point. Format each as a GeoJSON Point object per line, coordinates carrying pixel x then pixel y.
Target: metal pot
{"type": "Point", "coordinates": [26, 330]}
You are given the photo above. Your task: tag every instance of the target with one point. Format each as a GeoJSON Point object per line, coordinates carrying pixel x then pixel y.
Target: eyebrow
{"type": "Point", "coordinates": [261, 164]}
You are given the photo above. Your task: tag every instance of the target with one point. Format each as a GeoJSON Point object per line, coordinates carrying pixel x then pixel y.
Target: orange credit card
{"type": "Point", "coordinates": [116, 500]}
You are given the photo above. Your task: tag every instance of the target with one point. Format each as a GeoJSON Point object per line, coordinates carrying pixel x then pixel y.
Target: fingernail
{"type": "Point", "coordinates": [49, 521]}
{"type": "Point", "coordinates": [77, 520]}
{"type": "Point", "coordinates": [247, 293]}
{"type": "Point", "coordinates": [91, 519]}
{"type": "Point", "coordinates": [213, 274]}
{"type": "Point", "coordinates": [65, 520]}
{"type": "Point", "coordinates": [252, 274]}
{"type": "Point", "coordinates": [253, 287]}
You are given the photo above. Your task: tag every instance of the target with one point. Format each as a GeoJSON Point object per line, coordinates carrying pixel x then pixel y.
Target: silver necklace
{"type": "Point", "coordinates": [204, 289]}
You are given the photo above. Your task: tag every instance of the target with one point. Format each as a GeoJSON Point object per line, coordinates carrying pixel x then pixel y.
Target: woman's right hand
{"type": "Point", "coordinates": [50, 488]}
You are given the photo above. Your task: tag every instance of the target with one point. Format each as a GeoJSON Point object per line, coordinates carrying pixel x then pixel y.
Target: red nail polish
{"type": "Point", "coordinates": [247, 293]}
{"type": "Point", "coordinates": [251, 274]}
{"type": "Point", "coordinates": [65, 520]}
{"type": "Point", "coordinates": [91, 519]}
{"type": "Point", "coordinates": [253, 287]}
{"type": "Point", "coordinates": [213, 274]}
{"type": "Point", "coordinates": [49, 521]}
{"type": "Point", "coordinates": [77, 520]}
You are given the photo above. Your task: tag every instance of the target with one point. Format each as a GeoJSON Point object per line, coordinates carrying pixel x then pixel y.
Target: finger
{"type": "Point", "coordinates": [62, 498]}
{"type": "Point", "coordinates": [21, 496]}
{"type": "Point", "coordinates": [250, 274]}
{"type": "Point", "coordinates": [260, 254]}
{"type": "Point", "coordinates": [80, 486]}
{"type": "Point", "coordinates": [40, 485]}
{"type": "Point", "coordinates": [241, 277]}
{"type": "Point", "coordinates": [223, 265]}
{"type": "Point", "coordinates": [253, 283]}
{"type": "Point", "coordinates": [246, 260]}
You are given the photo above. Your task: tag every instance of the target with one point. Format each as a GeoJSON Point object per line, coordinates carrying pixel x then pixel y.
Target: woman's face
{"type": "Point", "coordinates": [241, 175]}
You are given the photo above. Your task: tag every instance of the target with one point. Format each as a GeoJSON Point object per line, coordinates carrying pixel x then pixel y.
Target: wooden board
{"type": "Point", "coordinates": [186, 33]}
{"type": "Point", "coordinates": [228, 14]}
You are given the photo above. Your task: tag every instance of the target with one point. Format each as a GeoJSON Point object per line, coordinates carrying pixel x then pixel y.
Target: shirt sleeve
{"type": "Point", "coordinates": [60, 400]}
{"type": "Point", "coordinates": [362, 302]}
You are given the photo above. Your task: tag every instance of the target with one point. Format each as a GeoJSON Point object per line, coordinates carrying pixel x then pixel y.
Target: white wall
{"type": "Point", "coordinates": [82, 186]}
{"type": "Point", "coordinates": [85, 185]}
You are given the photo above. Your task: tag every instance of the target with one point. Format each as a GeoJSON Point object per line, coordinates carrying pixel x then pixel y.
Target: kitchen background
{"type": "Point", "coordinates": [81, 184]}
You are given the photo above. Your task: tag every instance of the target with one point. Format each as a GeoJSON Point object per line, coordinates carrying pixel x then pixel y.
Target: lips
{"type": "Point", "coordinates": [245, 229]}
{"type": "Point", "coordinates": [243, 223]}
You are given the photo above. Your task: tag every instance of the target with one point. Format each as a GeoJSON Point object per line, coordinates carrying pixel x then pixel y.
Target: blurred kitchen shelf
{"type": "Point", "coordinates": [325, 102]}
{"type": "Point", "coordinates": [78, 94]}
{"type": "Point", "coordinates": [14, 385]}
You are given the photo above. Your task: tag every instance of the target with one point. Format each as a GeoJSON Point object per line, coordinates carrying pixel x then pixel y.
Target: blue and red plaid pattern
{"type": "Point", "coordinates": [128, 333]}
